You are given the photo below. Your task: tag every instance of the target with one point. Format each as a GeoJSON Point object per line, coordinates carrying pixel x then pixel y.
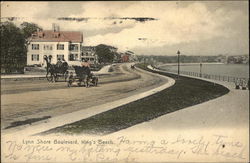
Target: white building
{"type": "Point", "coordinates": [89, 53]}
{"type": "Point", "coordinates": [59, 44]}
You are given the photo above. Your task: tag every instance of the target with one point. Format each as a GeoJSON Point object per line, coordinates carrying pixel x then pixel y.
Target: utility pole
{"type": "Point", "coordinates": [144, 59]}
{"type": "Point", "coordinates": [178, 53]}
{"type": "Point", "coordinates": [200, 66]}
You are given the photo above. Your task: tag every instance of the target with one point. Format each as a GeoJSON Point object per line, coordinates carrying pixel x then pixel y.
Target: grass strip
{"type": "Point", "coordinates": [184, 93]}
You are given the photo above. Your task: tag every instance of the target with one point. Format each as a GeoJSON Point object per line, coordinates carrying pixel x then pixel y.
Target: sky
{"type": "Point", "coordinates": [145, 27]}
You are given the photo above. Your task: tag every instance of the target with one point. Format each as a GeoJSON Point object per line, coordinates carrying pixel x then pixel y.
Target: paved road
{"type": "Point", "coordinates": [37, 99]}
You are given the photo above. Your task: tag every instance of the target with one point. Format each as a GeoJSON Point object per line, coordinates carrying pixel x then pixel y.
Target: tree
{"type": "Point", "coordinates": [104, 53]}
{"type": "Point", "coordinates": [28, 29]}
{"type": "Point", "coordinates": [13, 50]}
{"type": "Point", "coordinates": [14, 45]}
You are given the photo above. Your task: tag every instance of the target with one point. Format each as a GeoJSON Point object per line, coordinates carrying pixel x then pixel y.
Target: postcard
{"type": "Point", "coordinates": [124, 81]}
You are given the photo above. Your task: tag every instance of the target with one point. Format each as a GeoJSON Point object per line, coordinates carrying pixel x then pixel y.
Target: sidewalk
{"type": "Point", "coordinates": [230, 110]}
{"type": "Point", "coordinates": [104, 70]}
{"type": "Point", "coordinates": [226, 116]}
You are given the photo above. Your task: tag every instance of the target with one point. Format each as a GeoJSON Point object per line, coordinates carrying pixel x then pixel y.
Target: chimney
{"type": "Point", "coordinates": [53, 27]}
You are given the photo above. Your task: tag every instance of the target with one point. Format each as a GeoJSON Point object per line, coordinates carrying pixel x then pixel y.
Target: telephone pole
{"type": "Point", "coordinates": [178, 53]}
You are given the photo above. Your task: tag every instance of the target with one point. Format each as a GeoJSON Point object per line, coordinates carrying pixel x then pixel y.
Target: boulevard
{"type": "Point", "coordinates": [28, 101]}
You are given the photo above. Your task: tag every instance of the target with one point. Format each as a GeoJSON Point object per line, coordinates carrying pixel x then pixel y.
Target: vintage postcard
{"type": "Point", "coordinates": [124, 81]}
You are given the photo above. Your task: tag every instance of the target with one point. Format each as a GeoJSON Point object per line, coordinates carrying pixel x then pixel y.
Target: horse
{"type": "Point", "coordinates": [55, 70]}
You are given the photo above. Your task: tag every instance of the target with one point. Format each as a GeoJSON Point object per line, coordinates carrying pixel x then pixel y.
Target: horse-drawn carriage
{"type": "Point", "coordinates": [82, 75]}
{"type": "Point", "coordinates": [55, 71]}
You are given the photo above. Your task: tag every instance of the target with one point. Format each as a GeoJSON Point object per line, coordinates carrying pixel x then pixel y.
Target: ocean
{"type": "Point", "coordinates": [232, 70]}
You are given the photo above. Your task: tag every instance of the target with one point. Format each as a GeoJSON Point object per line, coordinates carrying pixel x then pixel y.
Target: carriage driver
{"type": "Point", "coordinates": [86, 64]}
{"type": "Point", "coordinates": [59, 63]}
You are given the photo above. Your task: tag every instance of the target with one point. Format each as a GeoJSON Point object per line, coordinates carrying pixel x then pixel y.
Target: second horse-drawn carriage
{"type": "Point", "coordinates": [82, 76]}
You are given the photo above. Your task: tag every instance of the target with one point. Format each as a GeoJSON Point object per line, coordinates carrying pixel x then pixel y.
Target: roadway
{"type": "Point", "coordinates": [33, 99]}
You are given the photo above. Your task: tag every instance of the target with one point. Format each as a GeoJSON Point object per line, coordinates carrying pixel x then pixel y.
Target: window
{"type": "Point", "coordinates": [60, 56]}
{"type": "Point", "coordinates": [48, 47]}
{"type": "Point", "coordinates": [73, 47]}
{"type": "Point", "coordinates": [35, 46]}
{"type": "Point", "coordinates": [60, 46]}
{"type": "Point", "coordinates": [73, 57]}
{"type": "Point", "coordinates": [35, 57]}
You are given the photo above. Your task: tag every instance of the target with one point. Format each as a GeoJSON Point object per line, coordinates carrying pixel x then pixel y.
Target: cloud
{"type": "Point", "coordinates": [178, 23]}
{"type": "Point", "coordinates": [22, 9]}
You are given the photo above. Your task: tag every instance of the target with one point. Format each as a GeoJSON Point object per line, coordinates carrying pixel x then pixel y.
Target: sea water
{"type": "Point", "coordinates": [233, 70]}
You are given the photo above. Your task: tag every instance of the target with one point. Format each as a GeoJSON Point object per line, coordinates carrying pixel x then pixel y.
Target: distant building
{"type": "Point", "coordinates": [89, 53]}
{"type": "Point", "coordinates": [125, 58]}
{"type": "Point", "coordinates": [221, 59]}
{"type": "Point", "coordinates": [128, 56]}
{"type": "Point", "coordinates": [59, 44]}
{"type": "Point", "coordinates": [241, 59]}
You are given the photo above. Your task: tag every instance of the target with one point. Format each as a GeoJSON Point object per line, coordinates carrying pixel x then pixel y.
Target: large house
{"type": "Point", "coordinates": [59, 44]}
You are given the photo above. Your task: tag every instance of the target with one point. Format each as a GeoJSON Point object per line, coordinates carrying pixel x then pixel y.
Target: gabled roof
{"type": "Point", "coordinates": [57, 36]}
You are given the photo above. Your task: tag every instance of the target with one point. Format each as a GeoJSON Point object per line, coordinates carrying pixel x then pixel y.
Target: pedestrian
{"type": "Point", "coordinates": [237, 84]}
{"type": "Point", "coordinates": [244, 85]}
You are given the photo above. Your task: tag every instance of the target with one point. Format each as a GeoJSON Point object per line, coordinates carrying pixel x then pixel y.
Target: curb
{"type": "Point", "coordinates": [86, 113]}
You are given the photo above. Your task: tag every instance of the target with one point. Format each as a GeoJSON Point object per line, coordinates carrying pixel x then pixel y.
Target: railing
{"type": "Point", "coordinates": [210, 76]}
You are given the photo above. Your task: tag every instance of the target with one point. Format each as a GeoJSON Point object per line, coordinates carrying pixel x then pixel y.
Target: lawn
{"type": "Point", "coordinates": [184, 93]}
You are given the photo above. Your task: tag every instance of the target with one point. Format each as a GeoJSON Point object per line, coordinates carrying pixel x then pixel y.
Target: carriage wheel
{"type": "Point", "coordinates": [69, 83]}
{"type": "Point", "coordinates": [79, 84]}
